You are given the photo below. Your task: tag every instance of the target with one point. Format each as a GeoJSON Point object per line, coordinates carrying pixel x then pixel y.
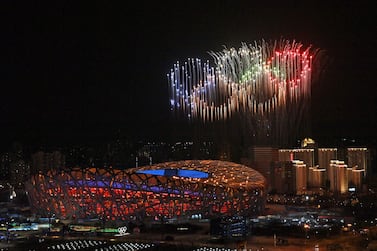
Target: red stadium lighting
{"type": "Point", "coordinates": [203, 187]}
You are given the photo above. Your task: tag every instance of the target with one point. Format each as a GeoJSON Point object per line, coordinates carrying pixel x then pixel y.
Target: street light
{"type": "Point", "coordinates": [306, 228]}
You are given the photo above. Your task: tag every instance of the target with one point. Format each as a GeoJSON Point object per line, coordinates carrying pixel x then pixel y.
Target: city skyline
{"type": "Point", "coordinates": [77, 73]}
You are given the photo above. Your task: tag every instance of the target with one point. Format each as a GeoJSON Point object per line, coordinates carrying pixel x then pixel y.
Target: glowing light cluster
{"type": "Point", "coordinates": [143, 192]}
{"type": "Point", "coordinates": [269, 84]}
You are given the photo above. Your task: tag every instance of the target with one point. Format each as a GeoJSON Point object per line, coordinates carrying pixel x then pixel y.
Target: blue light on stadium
{"type": "Point", "coordinates": [176, 172]}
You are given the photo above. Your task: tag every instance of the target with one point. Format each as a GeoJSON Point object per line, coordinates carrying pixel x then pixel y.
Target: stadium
{"type": "Point", "coordinates": [201, 188]}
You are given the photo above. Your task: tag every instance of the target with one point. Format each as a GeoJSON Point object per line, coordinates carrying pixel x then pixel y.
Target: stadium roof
{"type": "Point", "coordinates": [219, 173]}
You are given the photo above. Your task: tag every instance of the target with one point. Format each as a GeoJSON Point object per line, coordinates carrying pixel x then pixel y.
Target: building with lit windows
{"type": "Point", "coordinates": [14, 170]}
{"type": "Point", "coordinates": [172, 189]}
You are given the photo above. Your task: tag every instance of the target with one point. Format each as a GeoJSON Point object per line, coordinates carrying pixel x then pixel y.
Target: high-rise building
{"type": "Point", "coordinates": [157, 152]}
{"type": "Point", "coordinates": [304, 154]}
{"type": "Point", "coordinates": [325, 155]}
{"type": "Point", "coordinates": [19, 172]}
{"type": "Point", "coordinates": [358, 157]}
{"type": "Point", "coordinates": [355, 178]}
{"type": "Point", "coordinates": [5, 166]}
{"type": "Point", "coordinates": [45, 161]}
{"type": "Point", "coordinates": [14, 170]}
{"type": "Point", "coordinates": [301, 176]}
{"type": "Point", "coordinates": [283, 177]}
{"type": "Point", "coordinates": [316, 177]}
{"type": "Point", "coordinates": [338, 177]}
{"type": "Point", "coordinates": [261, 159]}
{"type": "Point", "coordinates": [330, 168]}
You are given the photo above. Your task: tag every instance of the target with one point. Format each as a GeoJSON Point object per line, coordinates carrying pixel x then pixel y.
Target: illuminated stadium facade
{"type": "Point", "coordinates": [172, 189]}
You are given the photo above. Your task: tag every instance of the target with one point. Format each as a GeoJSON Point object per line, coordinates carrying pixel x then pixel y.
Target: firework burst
{"type": "Point", "coordinates": [267, 84]}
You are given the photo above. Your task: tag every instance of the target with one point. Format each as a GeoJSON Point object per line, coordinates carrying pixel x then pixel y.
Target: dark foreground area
{"type": "Point", "coordinates": [193, 242]}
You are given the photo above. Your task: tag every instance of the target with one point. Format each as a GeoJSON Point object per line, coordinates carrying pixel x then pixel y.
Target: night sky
{"type": "Point", "coordinates": [72, 73]}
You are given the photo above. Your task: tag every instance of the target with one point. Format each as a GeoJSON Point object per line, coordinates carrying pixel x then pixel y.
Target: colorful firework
{"type": "Point", "coordinates": [267, 84]}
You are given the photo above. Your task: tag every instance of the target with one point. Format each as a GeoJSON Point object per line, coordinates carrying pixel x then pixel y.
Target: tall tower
{"type": "Point", "coordinates": [355, 178]}
{"type": "Point", "coordinates": [325, 155]}
{"type": "Point", "coordinates": [301, 176]}
{"type": "Point", "coordinates": [358, 157]}
{"type": "Point", "coordinates": [338, 176]}
{"type": "Point", "coordinates": [316, 177]}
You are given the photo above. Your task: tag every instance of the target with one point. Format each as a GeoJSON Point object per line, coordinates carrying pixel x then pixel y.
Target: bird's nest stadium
{"type": "Point", "coordinates": [173, 189]}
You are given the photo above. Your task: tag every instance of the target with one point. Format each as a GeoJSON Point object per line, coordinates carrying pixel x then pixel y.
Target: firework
{"type": "Point", "coordinates": [267, 84]}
